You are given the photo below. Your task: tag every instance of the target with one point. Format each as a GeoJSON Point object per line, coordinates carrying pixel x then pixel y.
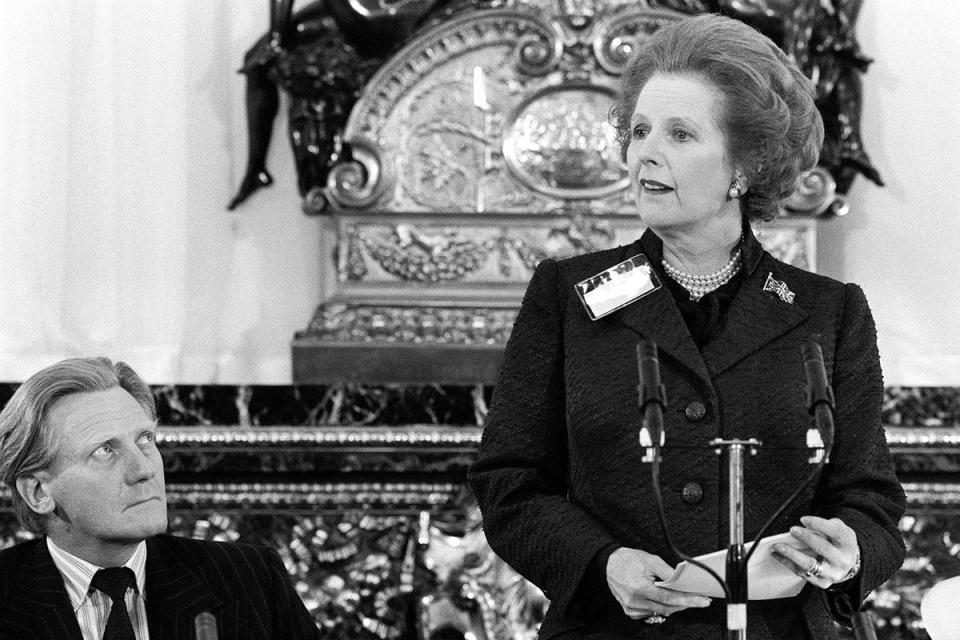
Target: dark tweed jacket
{"type": "Point", "coordinates": [244, 586]}
{"type": "Point", "coordinates": [559, 475]}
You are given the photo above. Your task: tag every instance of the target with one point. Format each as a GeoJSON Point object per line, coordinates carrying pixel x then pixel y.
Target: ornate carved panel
{"type": "Point", "coordinates": [423, 252]}
{"type": "Point", "coordinates": [455, 258]}
{"type": "Point", "coordinates": [476, 151]}
{"type": "Point", "coordinates": [327, 50]}
{"type": "Point", "coordinates": [414, 289]}
{"type": "Point", "coordinates": [497, 110]}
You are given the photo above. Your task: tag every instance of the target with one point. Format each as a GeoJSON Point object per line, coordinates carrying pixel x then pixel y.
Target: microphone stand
{"type": "Point", "coordinates": [863, 626]}
{"type": "Point", "coordinates": [652, 400]}
{"type": "Point", "coordinates": [736, 574]}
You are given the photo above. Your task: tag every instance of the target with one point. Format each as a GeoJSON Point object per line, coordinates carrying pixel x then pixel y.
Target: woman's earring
{"type": "Point", "coordinates": [735, 190]}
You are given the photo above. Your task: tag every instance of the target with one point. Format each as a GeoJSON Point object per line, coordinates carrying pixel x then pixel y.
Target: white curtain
{"type": "Point", "coordinates": [122, 136]}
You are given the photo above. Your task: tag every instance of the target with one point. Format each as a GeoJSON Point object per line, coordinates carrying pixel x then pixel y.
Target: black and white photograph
{"type": "Point", "coordinates": [479, 320]}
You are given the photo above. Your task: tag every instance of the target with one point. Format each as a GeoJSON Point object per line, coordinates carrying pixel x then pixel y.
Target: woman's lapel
{"type": "Point", "coordinates": [757, 316]}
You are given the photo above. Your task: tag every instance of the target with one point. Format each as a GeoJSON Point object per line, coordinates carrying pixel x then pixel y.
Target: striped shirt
{"type": "Point", "coordinates": [91, 606]}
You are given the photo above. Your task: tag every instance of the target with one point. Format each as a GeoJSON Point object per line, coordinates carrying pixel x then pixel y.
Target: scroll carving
{"type": "Point", "coordinates": [617, 37]}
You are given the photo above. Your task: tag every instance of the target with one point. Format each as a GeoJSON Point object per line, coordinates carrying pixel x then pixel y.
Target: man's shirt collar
{"type": "Point", "coordinates": [78, 573]}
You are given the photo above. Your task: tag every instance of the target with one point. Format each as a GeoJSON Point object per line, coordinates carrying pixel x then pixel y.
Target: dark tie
{"type": "Point", "coordinates": [114, 582]}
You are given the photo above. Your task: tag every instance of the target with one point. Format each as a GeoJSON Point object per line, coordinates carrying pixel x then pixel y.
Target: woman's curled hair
{"type": "Point", "coordinates": [773, 129]}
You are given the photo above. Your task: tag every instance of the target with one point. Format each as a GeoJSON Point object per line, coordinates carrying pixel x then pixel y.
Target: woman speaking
{"type": "Point", "coordinates": [716, 124]}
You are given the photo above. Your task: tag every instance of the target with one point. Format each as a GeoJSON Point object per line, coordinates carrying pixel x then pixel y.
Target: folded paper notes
{"type": "Point", "coordinates": [767, 579]}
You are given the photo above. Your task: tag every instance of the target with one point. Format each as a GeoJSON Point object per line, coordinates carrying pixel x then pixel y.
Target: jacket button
{"type": "Point", "coordinates": [692, 493]}
{"type": "Point", "coordinates": [695, 411]}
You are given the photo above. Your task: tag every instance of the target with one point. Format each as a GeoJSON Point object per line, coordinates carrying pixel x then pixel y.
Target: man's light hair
{"type": "Point", "coordinates": [27, 443]}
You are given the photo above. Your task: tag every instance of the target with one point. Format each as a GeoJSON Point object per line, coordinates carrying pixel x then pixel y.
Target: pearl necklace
{"type": "Point", "coordinates": [699, 286]}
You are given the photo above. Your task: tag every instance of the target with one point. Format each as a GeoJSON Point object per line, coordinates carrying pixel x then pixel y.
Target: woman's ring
{"type": "Point", "coordinates": [815, 570]}
{"type": "Point", "coordinates": [655, 619]}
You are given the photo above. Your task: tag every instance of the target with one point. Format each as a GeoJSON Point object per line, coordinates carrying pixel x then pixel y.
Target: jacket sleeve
{"type": "Point", "coordinates": [520, 475]}
{"type": "Point", "coordinates": [860, 486]}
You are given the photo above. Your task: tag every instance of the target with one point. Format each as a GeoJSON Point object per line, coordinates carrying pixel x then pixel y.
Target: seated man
{"type": "Point", "coordinates": [78, 450]}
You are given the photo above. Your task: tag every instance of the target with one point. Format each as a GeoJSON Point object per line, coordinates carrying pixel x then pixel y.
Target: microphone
{"type": "Point", "coordinates": [863, 628]}
{"type": "Point", "coordinates": [652, 398]}
{"type": "Point", "coordinates": [205, 626]}
{"type": "Point", "coordinates": [820, 401]}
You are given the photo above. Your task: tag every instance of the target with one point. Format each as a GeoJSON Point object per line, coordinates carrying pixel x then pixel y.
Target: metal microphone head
{"type": "Point", "coordinates": [820, 400]}
{"type": "Point", "coordinates": [648, 365]}
{"type": "Point", "coordinates": [205, 626]}
{"type": "Point", "coordinates": [652, 398]}
{"type": "Point", "coordinates": [647, 350]}
{"type": "Point", "coordinates": [811, 351]}
{"type": "Point", "coordinates": [818, 388]}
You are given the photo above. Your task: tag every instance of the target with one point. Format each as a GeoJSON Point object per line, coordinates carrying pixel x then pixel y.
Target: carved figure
{"type": "Point", "coordinates": [321, 55]}
{"type": "Point", "coordinates": [819, 36]}
{"type": "Point", "coordinates": [478, 593]}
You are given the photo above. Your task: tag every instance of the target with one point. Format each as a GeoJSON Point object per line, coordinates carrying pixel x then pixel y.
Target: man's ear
{"type": "Point", "coordinates": [32, 488]}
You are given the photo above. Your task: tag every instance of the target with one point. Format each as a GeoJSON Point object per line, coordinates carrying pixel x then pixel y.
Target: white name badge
{"type": "Point", "coordinates": [617, 286]}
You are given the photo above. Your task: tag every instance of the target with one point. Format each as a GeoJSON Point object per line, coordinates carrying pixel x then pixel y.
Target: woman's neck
{"type": "Point", "coordinates": [701, 252]}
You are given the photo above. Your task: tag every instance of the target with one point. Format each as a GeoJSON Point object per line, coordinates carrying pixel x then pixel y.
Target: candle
{"type": "Point", "coordinates": [480, 89]}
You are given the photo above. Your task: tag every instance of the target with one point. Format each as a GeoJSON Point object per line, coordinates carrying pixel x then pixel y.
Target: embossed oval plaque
{"type": "Point", "coordinates": [559, 142]}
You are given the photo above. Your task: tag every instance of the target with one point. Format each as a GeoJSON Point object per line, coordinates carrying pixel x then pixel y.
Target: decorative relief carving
{"type": "Point", "coordinates": [901, 440]}
{"type": "Point", "coordinates": [561, 145]}
{"type": "Point", "coordinates": [323, 54]}
{"type": "Point", "coordinates": [492, 252]}
{"type": "Point", "coordinates": [498, 256]}
{"type": "Point", "coordinates": [816, 193]}
{"type": "Point", "coordinates": [473, 580]}
{"type": "Point", "coordinates": [480, 111]}
{"type": "Point", "coordinates": [925, 458]}
{"type": "Point", "coordinates": [341, 438]}
{"type": "Point", "coordinates": [923, 439]}
{"type": "Point", "coordinates": [932, 496]}
{"type": "Point", "coordinates": [933, 553]}
{"type": "Point", "coordinates": [458, 37]}
{"type": "Point", "coordinates": [360, 181]}
{"type": "Point", "coordinates": [794, 244]}
{"type": "Point", "coordinates": [313, 497]}
{"type": "Point", "coordinates": [342, 322]}
{"type": "Point", "coordinates": [495, 253]}
{"type": "Point", "coordinates": [447, 130]}
{"type": "Point", "coordinates": [415, 256]}
{"type": "Point", "coordinates": [616, 37]}
{"type": "Point", "coordinates": [536, 53]}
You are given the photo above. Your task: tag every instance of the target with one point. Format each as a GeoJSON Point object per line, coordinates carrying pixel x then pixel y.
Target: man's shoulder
{"type": "Point", "coordinates": [215, 547]}
{"type": "Point", "coordinates": [232, 570]}
{"type": "Point", "coordinates": [201, 553]}
{"type": "Point", "coordinates": [20, 563]}
{"type": "Point", "coordinates": [249, 579]}
{"type": "Point", "coordinates": [19, 553]}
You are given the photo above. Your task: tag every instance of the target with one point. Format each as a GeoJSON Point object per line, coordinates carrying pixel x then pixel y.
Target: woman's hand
{"type": "Point", "coordinates": [631, 574]}
{"type": "Point", "coordinates": [828, 552]}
